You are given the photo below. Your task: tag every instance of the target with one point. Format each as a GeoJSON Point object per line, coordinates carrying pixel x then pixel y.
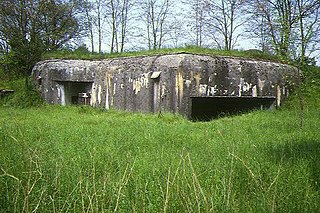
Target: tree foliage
{"type": "Point", "coordinates": [288, 28]}
{"type": "Point", "coordinates": [31, 27]}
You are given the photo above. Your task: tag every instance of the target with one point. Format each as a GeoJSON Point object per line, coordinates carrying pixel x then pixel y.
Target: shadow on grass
{"type": "Point", "coordinates": [298, 152]}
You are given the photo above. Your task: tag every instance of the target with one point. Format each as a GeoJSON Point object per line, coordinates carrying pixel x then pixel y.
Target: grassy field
{"type": "Point", "coordinates": [78, 159]}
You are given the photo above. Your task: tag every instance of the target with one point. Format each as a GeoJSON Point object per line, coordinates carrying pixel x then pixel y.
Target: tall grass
{"type": "Point", "coordinates": [70, 159]}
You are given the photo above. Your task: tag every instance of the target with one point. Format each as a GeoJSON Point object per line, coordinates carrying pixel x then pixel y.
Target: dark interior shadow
{"type": "Point", "coordinates": [208, 108]}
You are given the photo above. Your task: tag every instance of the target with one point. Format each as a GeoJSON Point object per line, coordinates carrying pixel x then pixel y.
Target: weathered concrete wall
{"type": "Point", "coordinates": [166, 82]}
{"type": "Point", "coordinates": [50, 74]}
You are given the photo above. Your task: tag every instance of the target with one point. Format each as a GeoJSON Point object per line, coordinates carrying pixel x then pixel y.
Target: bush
{"type": "Point", "coordinates": [26, 98]}
{"type": "Point", "coordinates": [24, 95]}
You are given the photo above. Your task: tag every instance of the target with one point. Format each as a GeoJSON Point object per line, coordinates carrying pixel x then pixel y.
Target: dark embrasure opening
{"type": "Point", "coordinates": [207, 108]}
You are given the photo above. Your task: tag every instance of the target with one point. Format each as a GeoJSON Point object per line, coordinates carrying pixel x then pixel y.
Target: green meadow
{"type": "Point", "coordinates": [79, 159]}
{"type": "Point", "coordinates": [82, 159]}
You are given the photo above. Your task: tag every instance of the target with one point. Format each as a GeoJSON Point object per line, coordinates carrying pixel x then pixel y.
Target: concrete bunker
{"type": "Point", "coordinates": [195, 86]}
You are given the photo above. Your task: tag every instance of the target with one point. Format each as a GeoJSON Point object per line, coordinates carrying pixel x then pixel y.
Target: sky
{"type": "Point", "coordinates": [179, 12]}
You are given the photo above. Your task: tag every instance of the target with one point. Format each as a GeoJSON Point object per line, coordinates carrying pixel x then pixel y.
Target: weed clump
{"type": "Point", "coordinates": [24, 95]}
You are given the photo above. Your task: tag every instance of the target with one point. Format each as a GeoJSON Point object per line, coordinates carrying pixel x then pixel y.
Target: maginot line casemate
{"type": "Point", "coordinates": [195, 86]}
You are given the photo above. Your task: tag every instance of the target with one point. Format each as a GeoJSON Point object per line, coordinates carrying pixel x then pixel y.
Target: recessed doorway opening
{"type": "Point", "coordinates": [75, 92]}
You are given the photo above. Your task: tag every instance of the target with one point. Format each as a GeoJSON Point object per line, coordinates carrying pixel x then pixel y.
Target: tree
{"type": "Point", "coordinates": [224, 21]}
{"type": "Point", "coordinates": [99, 9]}
{"type": "Point", "coordinates": [58, 23]}
{"type": "Point", "coordinates": [124, 19]}
{"type": "Point", "coordinates": [308, 28]}
{"type": "Point", "coordinates": [199, 18]}
{"type": "Point", "coordinates": [196, 16]}
{"type": "Point", "coordinates": [155, 14]}
{"type": "Point", "coordinates": [257, 28]}
{"type": "Point", "coordinates": [95, 15]}
{"type": "Point", "coordinates": [31, 27]}
{"type": "Point", "coordinates": [278, 15]}
{"type": "Point", "coordinates": [89, 21]}
{"type": "Point", "coordinates": [18, 24]}
{"type": "Point", "coordinates": [291, 26]}
{"type": "Point", "coordinates": [119, 11]}
{"type": "Point", "coordinates": [177, 33]}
